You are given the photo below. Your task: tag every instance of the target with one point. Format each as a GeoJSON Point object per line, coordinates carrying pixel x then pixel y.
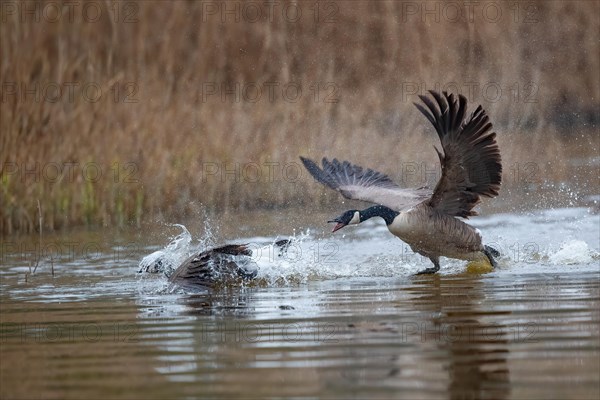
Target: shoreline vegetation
{"type": "Point", "coordinates": [154, 111]}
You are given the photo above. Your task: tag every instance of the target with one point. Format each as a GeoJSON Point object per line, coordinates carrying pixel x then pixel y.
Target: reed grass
{"type": "Point", "coordinates": [147, 149]}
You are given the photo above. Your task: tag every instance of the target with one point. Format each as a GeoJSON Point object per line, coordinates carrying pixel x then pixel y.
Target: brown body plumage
{"type": "Point", "coordinates": [219, 265]}
{"type": "Point", "coordinates": [225, 265]}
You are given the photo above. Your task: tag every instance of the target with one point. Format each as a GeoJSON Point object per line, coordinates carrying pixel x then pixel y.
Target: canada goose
{"type": "Point", "coordinates": [223, 265]}
{"type": "Point", "coordinates": [208, 268]}
{"type": "Point", "coordinates": [424, 219]}
{"type": "Point", "coordinates": [211, 266]}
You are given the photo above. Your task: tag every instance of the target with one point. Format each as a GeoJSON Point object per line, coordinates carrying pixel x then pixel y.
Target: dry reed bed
{"type": "Point", "coordinates": [160, 130]}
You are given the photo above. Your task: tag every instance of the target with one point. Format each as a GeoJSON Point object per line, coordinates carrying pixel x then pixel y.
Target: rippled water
{"type": "Point", "coordinates": [342, 316]}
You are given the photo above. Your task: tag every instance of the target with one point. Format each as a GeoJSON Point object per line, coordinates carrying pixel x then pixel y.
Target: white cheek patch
{"type": "Point", "coordinates": [355, 219]}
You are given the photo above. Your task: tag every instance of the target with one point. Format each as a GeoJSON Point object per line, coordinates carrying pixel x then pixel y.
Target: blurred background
{"type": "Point", "coordinates": [125, 113]}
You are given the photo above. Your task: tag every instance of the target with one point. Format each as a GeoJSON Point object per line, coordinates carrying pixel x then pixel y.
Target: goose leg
{"type": "Point", "coordinates": [432, 270]}
{"type": "Point", "coordinates": [490, 253]}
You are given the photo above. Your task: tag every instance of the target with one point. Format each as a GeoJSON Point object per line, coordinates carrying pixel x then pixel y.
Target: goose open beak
{"type": "Point", "coordinates": [338, 225]}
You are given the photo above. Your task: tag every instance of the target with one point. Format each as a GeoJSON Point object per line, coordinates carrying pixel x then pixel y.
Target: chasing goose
{"type": "Point", "coordinates": [427, 221]}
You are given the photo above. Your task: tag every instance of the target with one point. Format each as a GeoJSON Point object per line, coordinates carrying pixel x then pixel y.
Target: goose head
{"type": "Point", "coordinates": [350, 217]}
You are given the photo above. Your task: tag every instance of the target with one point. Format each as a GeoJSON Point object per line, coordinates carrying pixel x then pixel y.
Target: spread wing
{"type": "Point", "coordinates": [471, 164]}
{"type": "Point", "coordinates": [355, 182]}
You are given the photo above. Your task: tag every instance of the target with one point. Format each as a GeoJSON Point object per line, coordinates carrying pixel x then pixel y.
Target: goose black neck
{"type": "Point", "coordinates": [379, 211]}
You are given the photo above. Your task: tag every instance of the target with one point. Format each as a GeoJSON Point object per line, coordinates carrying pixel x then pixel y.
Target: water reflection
{"type": "Point", "coordinates": [457, 337]}
{"type": "Point", "coordinates": [430, 336]}
{"type": "Point", "coordinates": [476, 347]}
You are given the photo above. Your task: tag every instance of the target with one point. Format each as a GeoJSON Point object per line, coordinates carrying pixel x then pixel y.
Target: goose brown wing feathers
{"type": "Point", "coordinates": [470, 157]}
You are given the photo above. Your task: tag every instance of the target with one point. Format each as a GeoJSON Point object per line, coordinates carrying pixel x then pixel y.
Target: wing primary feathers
{"type": "Point", "coordinates": [426, 114]}
{"type": "Point", "coordinates": [317, 173]}
{"type": "Point", "coordinates": [470, 161]}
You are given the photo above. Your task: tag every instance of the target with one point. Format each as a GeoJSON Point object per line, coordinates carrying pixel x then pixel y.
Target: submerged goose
{"type": "Point", "coordinates": [223, 265]}
{"type": "Point", "coordinates": [215, 266]}
{"type": "Point", "coordinates": [426, 220]}
{"type": "Point", "coordinates": [219, 265]}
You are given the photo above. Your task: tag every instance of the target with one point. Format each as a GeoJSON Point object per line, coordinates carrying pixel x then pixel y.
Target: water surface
{"type": "Point", "coordinates": [343, 316]}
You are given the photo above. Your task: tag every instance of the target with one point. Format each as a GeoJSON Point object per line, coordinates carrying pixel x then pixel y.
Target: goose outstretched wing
{"type": "Point", "coordinates": [358, 183]}
{"type": "Point", "coordinates": [471, 163]}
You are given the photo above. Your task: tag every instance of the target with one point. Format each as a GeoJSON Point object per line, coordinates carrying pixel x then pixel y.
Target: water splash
{"type": "Point", "coordinates": [171, 256]}
{"type": "Point", "coordinates": [527, 242]}
{"type": "Point", "coordinates": [573, 252]}
{"type": "Point", "coordinates": [270, 262]}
